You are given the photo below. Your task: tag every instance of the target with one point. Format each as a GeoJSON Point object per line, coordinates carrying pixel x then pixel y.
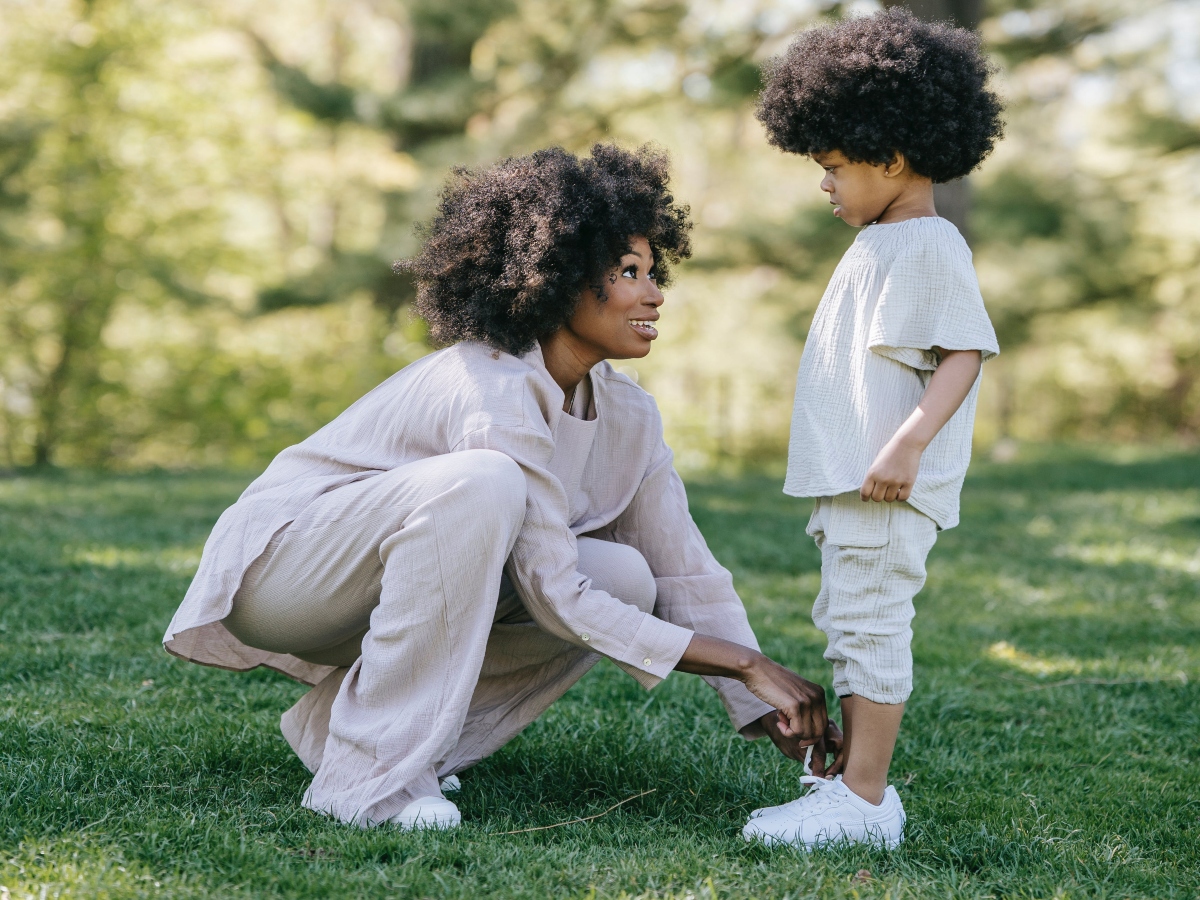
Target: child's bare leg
{"type": "Point", "coordinates": [870, 730]}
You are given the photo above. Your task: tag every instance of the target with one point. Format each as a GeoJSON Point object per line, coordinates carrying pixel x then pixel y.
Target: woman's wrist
{"type": "Point", "coordinates": [715, 656]}
{"type": "Point", "coordinates": [749, 663]}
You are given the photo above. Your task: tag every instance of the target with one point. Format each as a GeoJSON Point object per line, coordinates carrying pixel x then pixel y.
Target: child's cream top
{"type": "Point", "coordinates": [900, 290]}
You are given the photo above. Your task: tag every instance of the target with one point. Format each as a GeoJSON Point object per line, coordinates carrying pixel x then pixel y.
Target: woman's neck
{"type": "Point", "coordinates": [566, 360]}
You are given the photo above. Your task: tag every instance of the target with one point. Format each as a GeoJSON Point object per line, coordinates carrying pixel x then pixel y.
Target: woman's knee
{"type": "Point", "coordinates": [620, 570]}
{"type": "Point", "coordinates": [490, 481]}
{"type": "Point", "coordinates": [487, 486]}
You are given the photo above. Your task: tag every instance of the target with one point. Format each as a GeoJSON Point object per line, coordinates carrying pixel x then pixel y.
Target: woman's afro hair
{"type": "Point", "coordinates": [511, 247]}
{"type": "Point", "coordinates": [874, 85]}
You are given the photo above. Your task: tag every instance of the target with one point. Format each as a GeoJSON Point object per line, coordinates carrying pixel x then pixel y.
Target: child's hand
{"type": "Point", "coordinates": [892, 475]}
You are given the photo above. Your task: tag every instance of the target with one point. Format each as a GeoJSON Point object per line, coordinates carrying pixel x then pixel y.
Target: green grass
{"type": "Point", "coordinates": [1052, 747]}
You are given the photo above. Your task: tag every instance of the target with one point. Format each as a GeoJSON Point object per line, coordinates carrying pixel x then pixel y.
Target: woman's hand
{"type": "Point", "coordinates": [799, 704]}
{"type": "Point", "coordinates": [793, 748]}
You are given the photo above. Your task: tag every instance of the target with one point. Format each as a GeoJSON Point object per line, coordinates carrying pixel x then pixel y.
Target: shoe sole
{"type": "Point", "coordinates": [434, 822]}
{"type": "Point", "coordinates": [823, 842]}
{"type": "Point", "coordinates": [436, 814]}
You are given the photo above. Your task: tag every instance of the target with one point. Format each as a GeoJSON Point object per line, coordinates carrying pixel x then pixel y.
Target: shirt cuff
{"type": "Point", "coordinates": [654, 651]}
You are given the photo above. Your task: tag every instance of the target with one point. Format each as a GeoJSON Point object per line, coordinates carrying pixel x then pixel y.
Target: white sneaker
{"type": "Point", "coordinates": [828, 813]}
{"type": "Point", "coordinates": [429, 812]}
{"type": "Point", "coordinates": [450, 784]}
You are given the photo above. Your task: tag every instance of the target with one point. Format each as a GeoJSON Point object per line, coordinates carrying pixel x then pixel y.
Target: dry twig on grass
{"type": "Point", "coordinates": [584, 819]}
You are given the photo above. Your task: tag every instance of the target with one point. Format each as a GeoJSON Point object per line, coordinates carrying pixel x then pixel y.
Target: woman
{"type": "Point", "coordinates": [451, 553]}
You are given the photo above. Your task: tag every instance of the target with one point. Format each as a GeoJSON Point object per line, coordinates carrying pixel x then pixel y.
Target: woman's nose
{"type": "Point", "coordinates": [655, 296]}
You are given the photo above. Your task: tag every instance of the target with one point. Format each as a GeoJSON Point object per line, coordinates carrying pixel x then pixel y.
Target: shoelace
{"type": "Point", "coordinates": [817, 799]}
{"type": "Point", "coordinates": [820, 794]}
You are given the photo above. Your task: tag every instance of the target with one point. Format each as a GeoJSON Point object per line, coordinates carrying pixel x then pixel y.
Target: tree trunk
{"type": "Point", "coordinates": [953, 199]}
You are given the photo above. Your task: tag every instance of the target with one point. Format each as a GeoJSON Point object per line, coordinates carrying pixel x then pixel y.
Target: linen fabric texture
{"type": "Point", "coordinates": [872, 566]}
{"type": "Point", "coordinates": [609, 477]}
{"type": "Point", "coordinates": [395, 580]}
{"type": "Point", "coordinates": [900, 290]}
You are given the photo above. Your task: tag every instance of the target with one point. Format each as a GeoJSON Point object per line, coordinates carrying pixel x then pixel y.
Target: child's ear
{"type": "Point", "coordinates": [897, 166]}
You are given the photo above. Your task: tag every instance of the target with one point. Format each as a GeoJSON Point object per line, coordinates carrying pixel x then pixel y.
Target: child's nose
{"type": "Point", "coordinates": [827, 184]}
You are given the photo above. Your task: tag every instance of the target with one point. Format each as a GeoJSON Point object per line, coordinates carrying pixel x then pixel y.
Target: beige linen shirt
{"type": "Point", "coordinates": [610, 477]}
{"type": "Point", "coordinates": [901, 290]}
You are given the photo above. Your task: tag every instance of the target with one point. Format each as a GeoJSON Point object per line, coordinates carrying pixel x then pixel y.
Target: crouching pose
{"type": "Point", "coordinates": [885, 397]}
{"type": "Point", "coordinates": [450, 554]}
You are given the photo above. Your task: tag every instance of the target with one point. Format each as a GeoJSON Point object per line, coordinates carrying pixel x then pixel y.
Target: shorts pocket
{"type": "Point", "coordinates": [852, 523]}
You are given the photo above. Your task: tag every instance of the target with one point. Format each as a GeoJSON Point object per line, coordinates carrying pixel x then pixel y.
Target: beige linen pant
{"type": "Point", "coordinates": [398, 580]}
{"type": "Point", "coordinates": [872, 566]}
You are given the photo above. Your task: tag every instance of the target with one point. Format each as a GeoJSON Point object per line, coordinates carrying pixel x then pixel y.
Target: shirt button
{"type": "Point", "coordinates": [585, 637]}
{"type": "Point", "coordinates": [646, 661]}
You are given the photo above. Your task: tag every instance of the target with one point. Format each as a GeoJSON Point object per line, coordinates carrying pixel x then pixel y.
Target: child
{"type": "Point", "coordinates": [885, 398]}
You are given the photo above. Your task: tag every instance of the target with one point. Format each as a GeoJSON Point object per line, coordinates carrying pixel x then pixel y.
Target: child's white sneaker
{"type": "Point", "coordinates": [428, 812]}
{"type": "Point", "coordinates": [830, 812]}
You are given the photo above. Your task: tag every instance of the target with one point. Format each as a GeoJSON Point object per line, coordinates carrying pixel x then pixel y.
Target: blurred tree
{"type": "Point", "coordinates": [199, 203]}
{"type": "Point", "coordinates": [433, 100]}
{"type": "Point", "coordinates": [954, 198]}
{"type": "Point", "coordinates": [74, 221]}
{"type": "Point", "coordinates": [120, 163]}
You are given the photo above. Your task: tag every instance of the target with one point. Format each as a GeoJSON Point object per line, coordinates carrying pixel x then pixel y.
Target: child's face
{"type": "Point", "coordinates": [860, 192]}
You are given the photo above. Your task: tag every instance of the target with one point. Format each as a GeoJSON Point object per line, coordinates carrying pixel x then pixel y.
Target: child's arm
{"type": "Point", "coordinates": [892, 474]}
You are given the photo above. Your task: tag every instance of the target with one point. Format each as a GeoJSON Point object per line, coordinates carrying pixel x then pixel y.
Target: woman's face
{"type": "Point", "coordinates": [622, 325]}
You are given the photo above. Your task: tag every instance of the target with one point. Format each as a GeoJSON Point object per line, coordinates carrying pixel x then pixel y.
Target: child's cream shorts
{"type": "Point", "coordinates": [872, 565]}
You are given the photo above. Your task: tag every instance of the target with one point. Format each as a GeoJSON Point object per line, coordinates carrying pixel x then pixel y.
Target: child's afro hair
{"type": "Point", "coordinates": [873, 85]}
{"type": "Point", "coordinates": [512, 247]}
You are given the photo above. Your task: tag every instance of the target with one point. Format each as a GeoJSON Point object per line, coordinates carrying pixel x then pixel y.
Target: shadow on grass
{"type": "Point", "coordinates": [1079, 469]}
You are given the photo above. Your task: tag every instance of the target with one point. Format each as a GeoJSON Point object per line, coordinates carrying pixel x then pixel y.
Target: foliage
{"type": "Point", "coordinates": [191, 194]}
{"type": "Point", "coordinates": [1049, 749]}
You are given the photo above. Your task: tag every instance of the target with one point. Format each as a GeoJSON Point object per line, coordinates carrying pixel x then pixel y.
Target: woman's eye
{"type": "Point", "coordinates": [631, 271]}
{"type": "Point", "coordinates": [652, 275]}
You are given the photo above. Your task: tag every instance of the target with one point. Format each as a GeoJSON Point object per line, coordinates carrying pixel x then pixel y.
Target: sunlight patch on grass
{"type": "Point", "coordinates": [1010, 588]}
{"type": "Point", "coordinates": [1004, 652]}
{"type": "Point", "coordinates": [177, 560]}
{"type": "Point", "coordinates": [73, 866]}
{"type": "Point", "coordinates": [1154, 669]}
{"type": "Point", "coordinates": [1119, 553]}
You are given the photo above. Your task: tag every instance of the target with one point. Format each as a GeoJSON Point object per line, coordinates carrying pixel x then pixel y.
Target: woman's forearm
{"type": "Point", "coordinates": [800, 703]}
{"type": "Point", "coordinates": [713, 656]}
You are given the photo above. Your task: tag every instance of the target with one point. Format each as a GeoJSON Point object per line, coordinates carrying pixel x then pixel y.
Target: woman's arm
{"type": "Point", "coordinates": [894, 471]}
{"type": "Point", "coordinates": [800, 703]}
{"type": "Point", "coordinates": [544, 567]}
{"type": "Point", "coordinates": [696, 592]}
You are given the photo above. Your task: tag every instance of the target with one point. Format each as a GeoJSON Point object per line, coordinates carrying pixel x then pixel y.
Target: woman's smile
{"type": "Point", "coordinates": [645, 327]}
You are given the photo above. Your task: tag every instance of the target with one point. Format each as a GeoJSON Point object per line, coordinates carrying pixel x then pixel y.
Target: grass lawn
{"type": "Point", "coordinates": [1052, 746]}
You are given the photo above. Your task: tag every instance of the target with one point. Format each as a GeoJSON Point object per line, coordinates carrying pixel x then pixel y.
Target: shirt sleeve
{"type": "Point", "coordinates": [693, 590]}
{"type": "Point", "coordinates": [544, 567]}
{"type": "Point", "coordinates": [930, 298]}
